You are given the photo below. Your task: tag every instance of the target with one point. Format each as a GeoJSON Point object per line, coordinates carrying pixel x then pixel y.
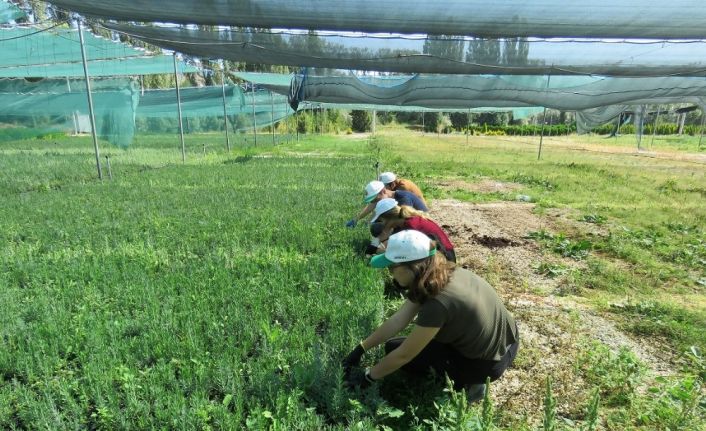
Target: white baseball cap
{"type": "Point", "coordinates": [405, 246]}
{"type": "Point", "coordinates": [383, 206]}
{"type": "Point", "coordinates": [387, 177]}
{"type": "Point", "coordinates": [372, 190]}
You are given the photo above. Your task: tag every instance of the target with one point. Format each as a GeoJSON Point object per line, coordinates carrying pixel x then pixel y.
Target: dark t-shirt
{"type": "Point", "coordinates": [410, 199]}
{"type": "Point", "coordinates": [472, 318]}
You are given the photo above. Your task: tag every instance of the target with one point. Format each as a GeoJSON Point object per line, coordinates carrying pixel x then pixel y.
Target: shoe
{"type": "Point", "coordinates": [474, 392]}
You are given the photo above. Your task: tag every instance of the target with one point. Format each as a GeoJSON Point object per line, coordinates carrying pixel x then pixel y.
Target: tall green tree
{"type": "Point", "coordinates": [450, 47]}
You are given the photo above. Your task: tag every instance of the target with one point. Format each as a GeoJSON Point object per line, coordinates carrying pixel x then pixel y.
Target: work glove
{"type": "Point", "coordinates": [359, 378]}
{"type": "Point", "coordinates": [350, 223]}
{"type": "Point", "coordinates": [353, 359]}
{"type": "Point", "coordinates": [371, 250]}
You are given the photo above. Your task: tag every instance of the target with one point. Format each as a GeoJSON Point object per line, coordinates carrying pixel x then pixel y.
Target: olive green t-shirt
{"type": "Point", "coordinates": [472, 318]}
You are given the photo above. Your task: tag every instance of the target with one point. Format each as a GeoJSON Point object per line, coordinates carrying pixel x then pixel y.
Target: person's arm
{"type": "Point", "coordinates": [410, 347]}
{"type": "Point", "coordinates": [385, 235]}
{"type": "Point", "coordinates": [365, 211]}
{"type": "Point", "coordinates": [392, 326]}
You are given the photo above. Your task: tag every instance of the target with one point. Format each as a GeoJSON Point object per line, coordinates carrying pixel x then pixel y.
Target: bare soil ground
{"type": "Point", "coordinates": [571, 144]}
{"type": "Point", "coordinates": [491, 239]}
{"type": "Point", "coordinates": [484, 186]}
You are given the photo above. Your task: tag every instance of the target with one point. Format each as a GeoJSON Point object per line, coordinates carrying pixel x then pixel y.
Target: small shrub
{"type": "Point", "coordinates": [617, 374]}
{"type": "Point", "coordinates": [593, 218]}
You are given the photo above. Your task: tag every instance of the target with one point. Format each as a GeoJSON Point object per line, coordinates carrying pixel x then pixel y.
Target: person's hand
{"type": "Point", "coordinates": [371, 250]}
{"type": "Point", "coordinates": [353, 358]}
{"type": "Point", "coordinates": [350, 223]}
{"type": "Point", "coordinates": [358, 378]}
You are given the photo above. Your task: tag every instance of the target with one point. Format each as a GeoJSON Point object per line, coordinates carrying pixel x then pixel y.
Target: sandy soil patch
{"type": "Point", "coordinates": [483, 186]}
{"type": "Point", "coordinates": [491, 239]}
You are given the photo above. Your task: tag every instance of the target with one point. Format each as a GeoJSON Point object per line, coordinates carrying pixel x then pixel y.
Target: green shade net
{"type": "Point", "coordinates": [56, 52]}
{"type": "Point", "coordinates": [202, 109]}
{"type": "Point", "coordinates": [280, 83]}
{"type": "Point", "coordinates": [10, 12]}
{"type": "Point", "coordinates": [433, 54]}
{"type": "Point", "coordinates": [596, 100]}
{"type": "Point", "coordinates": [35, 106]}
{"type": "Point", "coordinates": [61, 104]}
{"type": "Point", "coordinates": [564, 93]}
{"type": "Point", "coordinates": [677, 19]}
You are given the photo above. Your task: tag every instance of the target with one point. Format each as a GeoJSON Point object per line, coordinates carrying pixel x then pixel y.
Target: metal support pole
{"type": "Point", "coordinates": [422, 122]}
{"type": "Point", "coordinates": [181, 126]}
{"type": "Point", "coordinates": [701, 133]}
{"type": "Point", "coordinates": [468, 124]}
{"type": "Point", "coordinates": [272, 116]}
{"type": "Point", "coordinates": [374, 121]}
{"type": "Point", "coordinates": [640, 125]}
{"type": "Point", "coordinates": [110, 171]}
{"type": "Point", "coordinates": [654, 126]}
{"type": "Point", "coordinates": [73, 113]}
{"type": "Point", "coordinates": [225, 111]}
{"type": "Point", "coordinates": [541, 134]}
{"type": "Point", "coordinates": [544, 120]}
{"type": "Point", "coordinates": [254, 118]}
{"type": "Point", "coordinates": [90, 101]}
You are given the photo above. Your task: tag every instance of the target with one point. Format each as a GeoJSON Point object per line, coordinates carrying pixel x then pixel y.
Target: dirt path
{"type": "Point", "coordinates": [491, 239]}
{"type": "Point", "coordinates": [570, 143]}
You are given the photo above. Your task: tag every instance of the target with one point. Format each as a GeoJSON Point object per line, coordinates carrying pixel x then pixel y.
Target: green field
{"type": "Point", "coordinates": [222, 293]}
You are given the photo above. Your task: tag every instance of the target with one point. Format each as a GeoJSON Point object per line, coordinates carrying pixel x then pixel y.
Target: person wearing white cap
{"type": "Point", "coordinates": [375, 190]}
{"type": "Point", "coordinates": [462, 328]}
{"type": "Point", "coordinates": [392, 218]}
{"type": "Point", "coordinates": [393, 183]}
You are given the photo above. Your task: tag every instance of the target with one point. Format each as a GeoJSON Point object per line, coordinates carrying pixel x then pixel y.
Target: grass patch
{"type": "Point", "coordinates": [222, 292]}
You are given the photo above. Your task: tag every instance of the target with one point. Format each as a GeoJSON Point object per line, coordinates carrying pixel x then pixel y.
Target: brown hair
{"type": "Point", "coordinates": [430, 276]}
{"type": "Point", "coordinates": [400, 214]}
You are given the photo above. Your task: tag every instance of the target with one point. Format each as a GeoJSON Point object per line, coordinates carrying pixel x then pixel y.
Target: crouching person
{"type": "Point", "coordinates": [462, 328]}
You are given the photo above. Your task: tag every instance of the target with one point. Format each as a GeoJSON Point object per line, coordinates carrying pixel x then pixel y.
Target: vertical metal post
{"type": "Point", "coordinates": [321, 120]}
{"type": "Point", "coordinates": [468, 124]}
{"type": "Point", "coordinates": [178, 94]}
{"type": "Point", "coordinates": [654, 126]}
{"type": "Point", "coordinates": [422, 122]}
{"type": "Point", "coordinates": [296, 124]}
{"type": "Point", "coordinates": [701, 133]}
{"type": "Point", "coordinates": [544, 120]}
{"type": "Point", "coordinates": [541, 134]}
{"type": "Point", "coordinates": [640, 125]}
{"type": "Point", "coordinates": [254, 118]}
{"type": "Point", "coordinates": [90, 101]}
{"type": "Point", "coordinates": [374, 120]}
{"type": "Point", "coordinates": [110, 171]}
{"type": "Point", "coordinates": [272, 116]}
{"type": "Point", "coordinates": [225, 111]}
{"type": "Point", "coordinates": [551, 124]}
{"type": "Point", "coordinates": [73, 113]}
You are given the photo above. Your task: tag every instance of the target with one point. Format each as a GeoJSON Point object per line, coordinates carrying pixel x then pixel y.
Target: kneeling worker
{"type": "Point", "coordinates": [462, 329]}
{"type": "Point", "coordinates": [375, 191]}
{"type": "Point", "coordinates": [393, 183]}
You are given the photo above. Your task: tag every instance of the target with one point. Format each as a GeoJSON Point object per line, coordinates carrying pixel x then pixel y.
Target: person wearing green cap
{"type": "Point", "coordinates": [375, 190]}
{"type": "Point", "coordinates": [462, 328]}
